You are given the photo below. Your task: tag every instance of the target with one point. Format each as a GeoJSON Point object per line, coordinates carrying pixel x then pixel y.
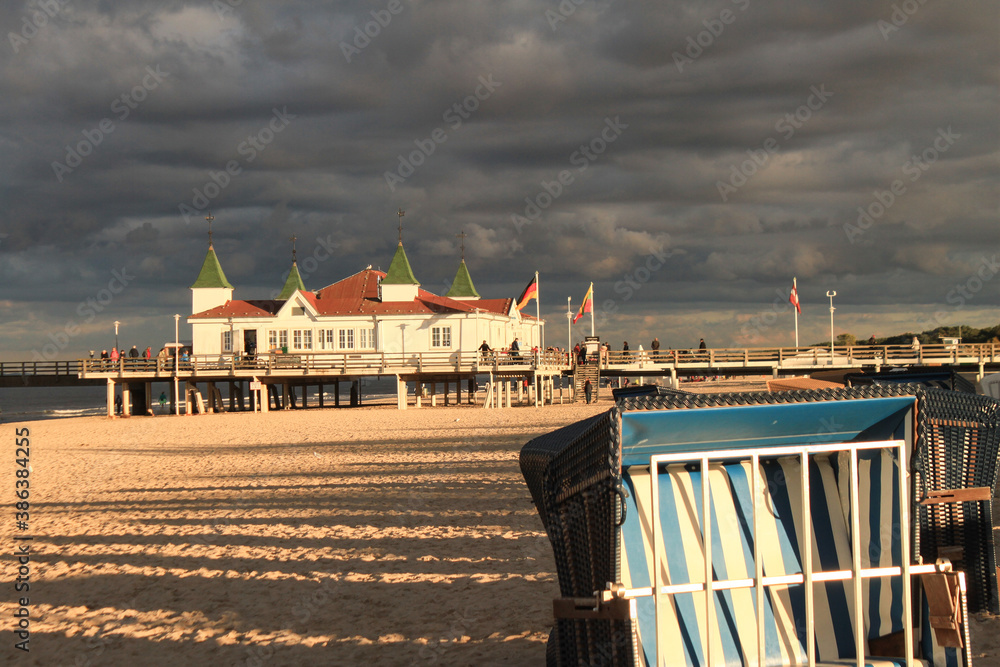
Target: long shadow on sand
{"type": "Point", "coordinates": [449, 570]}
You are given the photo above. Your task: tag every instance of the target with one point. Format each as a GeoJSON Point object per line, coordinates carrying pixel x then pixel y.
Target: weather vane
{"type": "Point", "coordinates": [293, 240]}
{"type": "Point", "coordinates": [210, 218]}
{"type": "Point", "coordinates": [400, 213]}
{"type": "Point", "coordinates": [462, 235]}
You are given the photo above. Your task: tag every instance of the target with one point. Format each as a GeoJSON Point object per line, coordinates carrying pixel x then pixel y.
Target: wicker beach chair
{"type": "Point", "coordinates": [624, 491]}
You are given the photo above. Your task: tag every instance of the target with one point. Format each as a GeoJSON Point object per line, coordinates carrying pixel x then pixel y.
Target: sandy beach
{"type": "Point", "coordinates": [320, 537]}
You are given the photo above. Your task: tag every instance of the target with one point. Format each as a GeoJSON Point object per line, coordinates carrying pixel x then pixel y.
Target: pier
{"type": "Point", "coordinates": [253, 382]}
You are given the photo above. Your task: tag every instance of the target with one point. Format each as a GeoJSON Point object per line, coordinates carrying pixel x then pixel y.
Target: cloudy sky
{"type": "Point", "coordinates": [690, 158]}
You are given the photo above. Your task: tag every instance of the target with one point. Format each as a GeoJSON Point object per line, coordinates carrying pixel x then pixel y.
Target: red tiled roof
{"type": "Point", "coordinates": [234, 308]}
{"type": "Point", "coordinates": [358, 295]}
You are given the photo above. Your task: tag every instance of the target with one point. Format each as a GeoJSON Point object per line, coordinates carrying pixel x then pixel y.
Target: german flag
{"type": "Point", "coordinates": [530, 292]}
{"type": "Point", "coordinates": [588, 304]}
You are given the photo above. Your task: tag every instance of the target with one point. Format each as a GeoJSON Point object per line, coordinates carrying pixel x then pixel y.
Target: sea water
{"type": "Point", "coordinates": [19, 404]}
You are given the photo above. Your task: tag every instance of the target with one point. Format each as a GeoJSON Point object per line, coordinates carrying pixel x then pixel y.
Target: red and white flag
{"type": "Point", "coordinates": [793, 298]}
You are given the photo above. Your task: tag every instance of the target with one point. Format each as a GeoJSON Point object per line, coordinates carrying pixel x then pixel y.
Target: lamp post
{"type": "Point", "coordinates": [232, 343]}
{"type": "Point", "coordinates": [831, 295]}
{"type": "Point", "coordinates": [177, 354]}
{"type": "Point", "coordinates": [116, 333]}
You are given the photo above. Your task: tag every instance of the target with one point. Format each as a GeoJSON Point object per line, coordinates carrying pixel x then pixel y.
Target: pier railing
{"type": "Point", "coordinates": [636, 361]}
{"type": "Point", "coordinates": [21, 368]}
{"type": "Point", "coordinates": [840, 356]}
{"type": "Point", "coordinates": [327, 363]}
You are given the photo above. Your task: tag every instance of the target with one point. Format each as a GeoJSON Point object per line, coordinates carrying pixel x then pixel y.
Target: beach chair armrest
{"type": "Point", "coordinates": [956, 495]}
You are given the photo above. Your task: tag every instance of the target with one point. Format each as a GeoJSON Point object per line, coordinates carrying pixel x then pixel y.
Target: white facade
{"type": "Point", "coordinates": [298, 328]}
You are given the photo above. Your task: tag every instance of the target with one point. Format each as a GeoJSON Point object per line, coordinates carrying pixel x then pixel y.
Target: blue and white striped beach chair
{"type": "Point", "coordinates": [798, 525]}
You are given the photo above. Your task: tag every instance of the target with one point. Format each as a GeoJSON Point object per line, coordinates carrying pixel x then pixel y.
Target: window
{"type": "Point", "coordinates": [366, 339]}
{"type": "Point", "coordinates": [283, 338]}
{"type": "Point", "coordinates": [347, 339]}
{"type": "Point", "coordinates": [297, 339]}
{"type": "Point", "coordinates": [272, 339]}
{"type": "Point", "coordinates": [227, 341]}
{"type": "Point", "coordinates": [298, 311]}
{"type": "Point", "coordinates": [326, 339]}
{"type": "Point", "coordinates": [307, 339]}
{"type": "Point", "coordinates": [441, 337]}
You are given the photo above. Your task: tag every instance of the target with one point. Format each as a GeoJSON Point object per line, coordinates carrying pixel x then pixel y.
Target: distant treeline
{"type": "Point", "coordinates": [932, 337]}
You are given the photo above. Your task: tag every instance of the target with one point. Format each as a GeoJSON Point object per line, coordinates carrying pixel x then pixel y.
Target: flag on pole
{"type": "Point", "coordinates": [793, 298]}
{"type": "Point", "coordinates": [588, 304]}
{"type": "Point", "coordinates": [530, 292]}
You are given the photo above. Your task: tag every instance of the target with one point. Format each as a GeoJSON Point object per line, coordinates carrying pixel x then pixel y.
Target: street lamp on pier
{"type": "Point", "coordinates": [116, 333]}
{"type": "Point", "coordinates": [831, 295]}
{"type": "Point", "coordinates": [177, 354]}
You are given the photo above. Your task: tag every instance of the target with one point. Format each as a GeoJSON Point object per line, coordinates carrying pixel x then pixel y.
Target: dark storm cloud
{"type": "Point", "coordinates": [756, 141]}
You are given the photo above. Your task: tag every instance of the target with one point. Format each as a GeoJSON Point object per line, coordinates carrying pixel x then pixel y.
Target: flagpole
{"type": "Point", "coordinates": [569, 324]}
{"type": "Point", "coordinates": [540, 336]}
{"type": "Point", "coordinates": [795, 310]}
{"type": "Point", "coordinates": [592, 334]}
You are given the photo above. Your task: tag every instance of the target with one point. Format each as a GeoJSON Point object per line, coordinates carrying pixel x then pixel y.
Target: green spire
{"type": "Point", "coordinates": [211, 272]}
{"type": "Point", "coordinates": [292, 285]}
{"type": "Point", "coordinates": [399, 272]}
{"type": "Point", "coordinates": [462, 285]}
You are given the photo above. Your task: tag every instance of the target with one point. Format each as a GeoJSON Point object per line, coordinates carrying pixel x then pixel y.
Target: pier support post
{"type": "Point", "coordinates": [111, 398]}
{"type": "Point", "coordinates": [336, 394]}
{"type": "Point", "coordinates": [434, 398]}
{"type": "Point", "coordinates": [418, 391]}
{"type": "Point", "coordinates": [232, 397]}
{"type": "Point", "coordinates": [446, 386]}
{"type": "Point", "coordinates": [285, 404]}
{"type": "Point", "coordinates": [356, 393]}
{"type": "Point", "coordinates": [321, 395]}
{"type": "Point", "coordinates": [149, 399]}
{"type": "Point", "coordinates": [212, 407]}
{"type": "Point", "coordinates": [400, 393]}
{"type": "Point", "coordinates": [126, 400]}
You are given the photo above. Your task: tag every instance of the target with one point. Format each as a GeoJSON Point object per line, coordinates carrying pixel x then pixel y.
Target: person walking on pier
{"type": "Point", "coordinates": [588, 390]}
{"type": "Point", "coordinates": [655, 347]}
{"type": "Point", "coordinates": [133, 353]}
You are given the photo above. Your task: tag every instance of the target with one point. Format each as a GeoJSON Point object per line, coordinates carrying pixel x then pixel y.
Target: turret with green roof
{"type": "Point", "coordinates": [399, 272]}
{"type": "Point", "coordinates": [293, 284]}
{"type": "Point", "coordinates": [399, 283]}
{"type": "Point", "coordinates": [211, 289]}
{"type": "Point", "coordinates": [462, 287]}
{"type": "Point", "coordinates": [211, 274]}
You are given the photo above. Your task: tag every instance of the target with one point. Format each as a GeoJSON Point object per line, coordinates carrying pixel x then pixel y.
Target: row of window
{"type": "Point", "coordinates": [322, 339]}
{"type": "Point", "coordinates": [331, 339]}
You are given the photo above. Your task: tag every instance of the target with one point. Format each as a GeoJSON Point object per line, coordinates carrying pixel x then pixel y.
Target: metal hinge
{"type": "Point", "coordinates": [608, 604]}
